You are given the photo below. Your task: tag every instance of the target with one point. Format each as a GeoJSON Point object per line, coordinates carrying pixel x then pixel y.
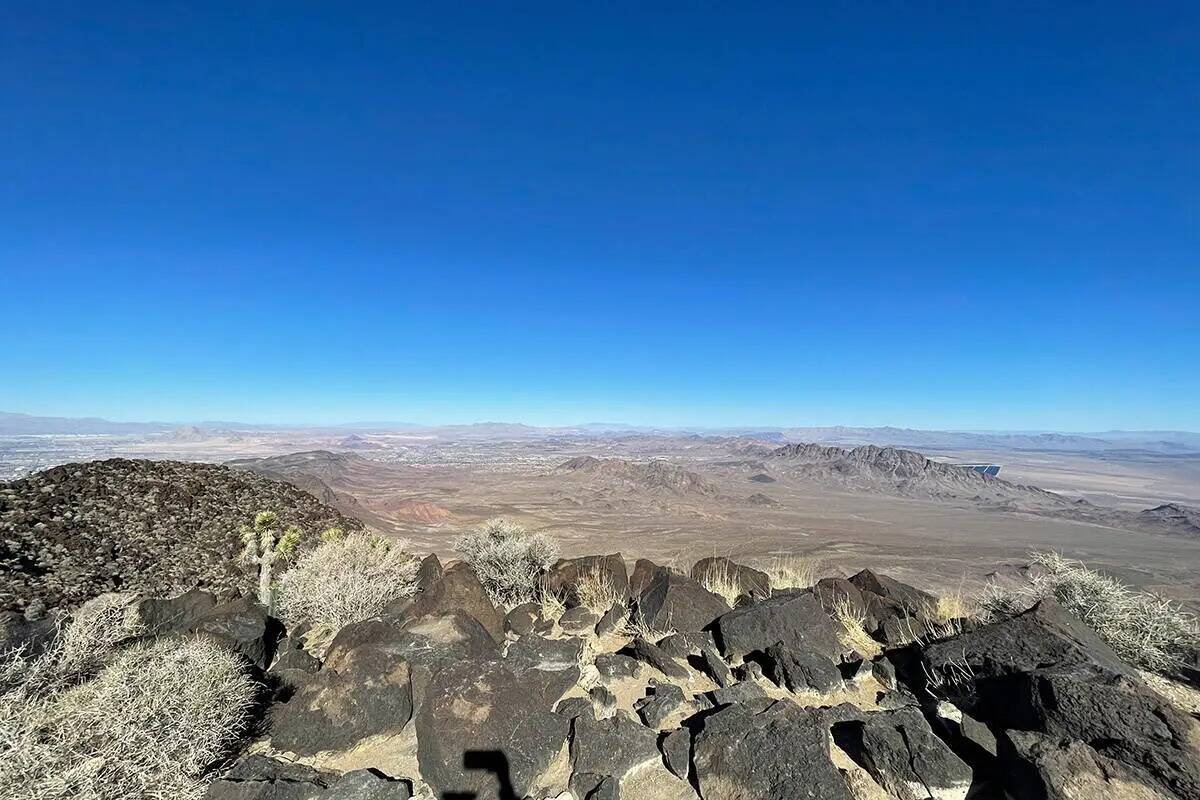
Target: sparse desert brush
{"type": "Point", "coordinates": [597, 591]}
{"type": "Point", "coordinates": [507, 559]}
{"type": "Point", "coordinates": [792, 571]}
{"type": "Point", "coordinates": [83, 645]}
{"type": "Point", "coordinates": [1143, 628]}
{"type": "Point", "coordinates": [637, 625]}
{"type": "Point", "coordinates": [346, 579]}
{"type": "Point", "coordinates": [147, 727]}
{"type": "Point", "coordinates": [720, 578]}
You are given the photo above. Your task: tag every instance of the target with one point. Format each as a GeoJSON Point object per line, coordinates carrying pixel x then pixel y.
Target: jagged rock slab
{"type": "Point", "coordinates": [792, 618]}
{"type": "Point", "coordinates": [672, 601]}
{"type": "Point", "coordinates": [779, 753]}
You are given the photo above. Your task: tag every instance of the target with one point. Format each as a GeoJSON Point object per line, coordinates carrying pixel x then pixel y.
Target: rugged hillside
{"type": "Point", "coordinates": [903, 472]}
{"type": "Point", "coordinates": [654, 475]}
{"type": "Point", "coordinates": [1178, 517]}
{"type": "Point", "coordinates": [156, 527]}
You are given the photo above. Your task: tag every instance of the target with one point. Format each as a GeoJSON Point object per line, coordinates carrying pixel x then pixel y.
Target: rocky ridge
{"type": "Point", "coordinates": [444, 695]}
{"type": "Point", "coordinates": [72, 532]}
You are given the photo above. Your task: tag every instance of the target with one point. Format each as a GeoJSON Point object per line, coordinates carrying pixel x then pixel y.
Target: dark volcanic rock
{"type": "Point", "coordinates": [780, 753]}
{"type": "Point", "coordinates": [715, 667]}
{"type": "Point", "coordinates": [611, 746]}
{"type": "Point", "coordinates": [260, 778]}
{"type": "Point", "coordinates": [655, 656]}
{"type": "Point", "coordinates": [750, 581]}
{"type": "Point", "coordinates": [1050, 768]}
{"type": "Point", "coordinates": [617, 666]}
{"type": "Point", "coordinates": [910, 599]}
{"type": "Point", "coordinates": [1047, 672]}
{"type": "Point", "coordinates": [156, 528]}
{"type": "Point", "coordinates": [456, 590]}
{"type": "Point", "coordinates": [578, 620]}
{"type": "Point", "coordinates": [644, 571]}
{"type": "Point", "coordinates": [800, 670]}
{"type": "Point", "coordinates": [676, 602]}
{"type": "Point", "coordinates": [173, 615]}
{"type": "Point", "coordinates": [611, 621]}
{"type": "Point", "coordinates": [243, 626]}
{"type": "Point", "coordinates": [564, 577]}
{"type": "Point", "coordinates": [480, 706]}
{"type": "Point", "coordinates": [900, 751]}
{"type": "Point", "coordinates": [522, 619]}
{"type": "Point", "coordinates": [553, 655]}
{"type": "Point", "coordinates": [665, 699]}
{"type": "Point", "coordinates": [791, 617]}
{"type": "Point", "coordinates": [677, 752]}
{"type": "Point", "coordinates": [361, 690]}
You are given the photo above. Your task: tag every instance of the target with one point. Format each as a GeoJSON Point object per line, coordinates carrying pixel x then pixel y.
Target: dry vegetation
{"type": "Point", "coordinates": [791, 571]}
{"type": "Point", "coordinates": [598, 592]}
{"type": "Point", "coordinates": [1144, 629]}
{"type": "Point", "coordinates": [88, 720]}
{"type": "Point", "coordinates": [345, 580]}
{"type": "Point", "coordinates": [507, 559]}
{"type": "Point", "coordinates": [720, 579]}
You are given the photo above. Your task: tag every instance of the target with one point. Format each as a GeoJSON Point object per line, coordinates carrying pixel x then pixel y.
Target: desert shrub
{"type": "Point", "coordinates": [83, 645]}
{"type": "Point", "coordinates": [1143, 628]}
{"type": "Point", "coordinates": [507, 559]}
{"type": "Point", "coordinates": [147, 727]}
{"type": "Point", "coordinates": [790, 571]}
{"type": "Point", "coordinates": [346, 579]}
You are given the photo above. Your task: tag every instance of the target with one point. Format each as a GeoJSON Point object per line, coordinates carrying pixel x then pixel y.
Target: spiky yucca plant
{"type": "Point", "coordinates": [263, 546]}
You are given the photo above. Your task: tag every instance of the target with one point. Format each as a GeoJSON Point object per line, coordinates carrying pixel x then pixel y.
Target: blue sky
{"type": "Point", "coordinates": [934, 215]}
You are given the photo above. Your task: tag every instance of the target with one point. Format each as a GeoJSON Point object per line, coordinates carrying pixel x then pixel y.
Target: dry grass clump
{"type": "Point", "coordinates": [1143, 628]}
{"type": "Point", "coordinates": [345, 580]}
{"type": "Point", "coordinates": [598, 592]}
{"type": "Point", "coordinates": [551, 605]}
{"type": "Point", "coordinates": [637, 625]}
{"type": "Point", "coordinates": [791, 571]}
{"type": "Point", "coordinates": [507, 559]}
{"type": "Point", "coordinates": [721, 579]}
{"type": "Point", "coordinates": [853, 622]}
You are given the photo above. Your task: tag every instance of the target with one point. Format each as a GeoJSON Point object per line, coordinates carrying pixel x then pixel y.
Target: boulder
{"type": "Point", "coordinates": [553, 655]}
{"type": "Point", "coordinates": [745, 692]}
{"type": "Point", "coordinates": [777, 753]}
{"type": "Point", "coordinates": [361, 690]}
{"type": "Point", "coordinates": [160, 616]}
{"type": "Point", "coordinates": [665, 700]}
{"type": "Point", "coordinates": [257, 777]}
{"type": "Point", "coordinates": [590, 786]}
{"type": "Point", "coordinates": [291, 655]}
{"type": "Point", "coordinates": [522, 619]}
{"type": "Point", "coordinates": [672, 601]}
{"type": "Point", "coordinates": [611, 622]}
{"type": "Point", "coordinates": [650, 653]}
{"type": "Point", "coordinates": [793, 618]}
{"type": "Point", "coordinates": [682, 645]}
{"type": "Point", "coordinates": [1045, 671]}
{"type": "Point", "coordinates": [611, 747]}
{"type": "Point", "coordinates": [457, 589]}
{"type": "Point", "coordinates": [1050, 768]}
{"type": "Point", "coordinates": [578, 620]}
{"type": "Point", "coordinates": [903, 755]}
{"type": "Point", "coordinates": [244, 627]}
{"type": "Point", "coordinates": [368, 784]}
{"type": "Point", "coordinates": [430, 570]}
{"type": "Point", "coordinates": [564, 577]}
{"type": "Point", "coordinates": [751, 582]}
{"type": "Point", "coordinates": [799, 671]}
{"type": "Point", "coordinates": [677, 752]}
{"type": "Point", "coordinates": [481, 716]}
{"type": "Point", "coordinates": [31, 637]}
{"type": "Point", "coordinates": [911, 600]}
{"type": "Point", "coordinates": [615, 666]}
{"type": "Point", "coordinates": [715, 667]}
{"type": "Point", "coordinates": [644, 571]}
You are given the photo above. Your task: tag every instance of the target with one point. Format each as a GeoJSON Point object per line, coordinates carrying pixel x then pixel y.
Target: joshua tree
{"type": "Point", "coordinates": [263, 546]}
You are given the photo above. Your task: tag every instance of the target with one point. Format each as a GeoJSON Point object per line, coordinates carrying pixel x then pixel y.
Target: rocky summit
{"type": "Point", "coordinates": [444, 695]}
{"type": "Point", "coordinates": [75, 531]}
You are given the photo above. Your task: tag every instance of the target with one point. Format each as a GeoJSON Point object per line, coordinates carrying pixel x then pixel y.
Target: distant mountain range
{"type": "Point", "coordinates": [1164, 442]}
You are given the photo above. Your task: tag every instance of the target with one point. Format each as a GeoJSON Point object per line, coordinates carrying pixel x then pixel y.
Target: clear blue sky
{"type": "Point", "coordinates": [963, 215]}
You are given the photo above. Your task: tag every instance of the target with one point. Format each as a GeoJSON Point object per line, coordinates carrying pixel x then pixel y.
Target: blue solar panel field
{"type": "Point", "coordinates": [986, 469]}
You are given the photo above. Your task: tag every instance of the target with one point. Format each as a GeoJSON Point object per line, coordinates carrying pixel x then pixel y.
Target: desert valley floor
{"type": "Point", "coordinates": [677, 498]}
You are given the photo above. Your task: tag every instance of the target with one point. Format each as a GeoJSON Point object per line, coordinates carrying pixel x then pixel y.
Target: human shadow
{"type": "Point", "coordinates": [493, 761]}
